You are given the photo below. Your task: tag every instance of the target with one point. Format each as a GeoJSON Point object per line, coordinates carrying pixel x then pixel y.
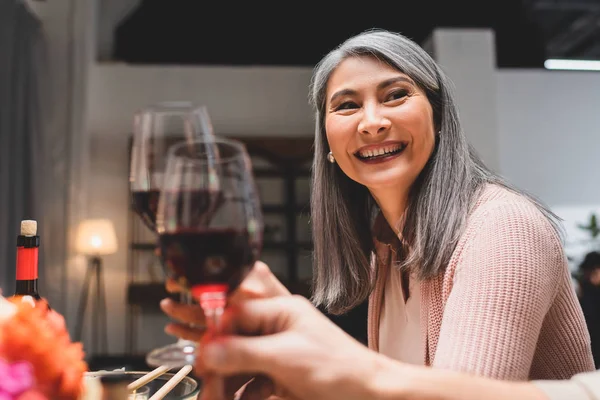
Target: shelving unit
{"type": "Point", "coordinates": [282, 173]}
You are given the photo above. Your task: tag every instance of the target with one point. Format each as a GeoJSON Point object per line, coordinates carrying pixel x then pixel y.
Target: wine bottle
{"type": "Point", "coordinates": [28, 243]}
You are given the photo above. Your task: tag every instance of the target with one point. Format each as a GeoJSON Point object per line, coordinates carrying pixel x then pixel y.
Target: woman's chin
{"type": "Point", "coordinates": [387, 179]}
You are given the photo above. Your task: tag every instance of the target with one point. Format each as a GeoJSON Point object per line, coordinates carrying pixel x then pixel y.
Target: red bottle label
{"type": "Point", "coordinates": [27, 263]}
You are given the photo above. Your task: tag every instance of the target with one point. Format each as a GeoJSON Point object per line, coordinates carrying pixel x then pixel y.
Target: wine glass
{"type": "Point", "coordinates": [156, 128]}
{"type": "Point", "coordinates": [209, 221]}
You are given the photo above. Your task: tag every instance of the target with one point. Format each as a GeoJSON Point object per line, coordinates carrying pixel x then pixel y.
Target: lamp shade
{"type": "Point", "coordinates": [96, 237]}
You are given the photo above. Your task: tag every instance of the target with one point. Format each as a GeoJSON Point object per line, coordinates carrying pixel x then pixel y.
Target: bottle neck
{"type": "Point", "coordinates": [27, 272]}
{"type": "Point", "coordinates": [27, 288]}
{"type": "Point", "coordinates": [27, 263]}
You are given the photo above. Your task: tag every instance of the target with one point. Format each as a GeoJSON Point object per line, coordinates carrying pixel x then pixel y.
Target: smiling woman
{"type": "Point", "coordinates": [462, 270]}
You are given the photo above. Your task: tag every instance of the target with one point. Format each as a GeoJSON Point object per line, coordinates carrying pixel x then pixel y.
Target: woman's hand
{"type": "Point", "coordinates": [190, 325]}
{"type": "Point", "coordinates": [260, 283]}
{"type": "Point", "coordinates": [305, 355]}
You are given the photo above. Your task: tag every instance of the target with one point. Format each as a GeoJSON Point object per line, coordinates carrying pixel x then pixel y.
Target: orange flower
{"type": "Point", "coordinates": [32, 395]}
{"type": "Point", "coordinates": [39, 336]}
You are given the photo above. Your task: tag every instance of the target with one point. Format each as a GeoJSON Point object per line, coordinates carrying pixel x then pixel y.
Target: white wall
{"type": "Point", "coordinates": [549, 130]}
{"type": "Point", "coordinates": [240, 100]}
{"type": "Point", "coordinates": [468, 58]}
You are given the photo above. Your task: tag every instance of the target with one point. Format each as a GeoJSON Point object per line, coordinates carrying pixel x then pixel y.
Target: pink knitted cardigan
{"type": "Point", "coordinates": [504, 307]}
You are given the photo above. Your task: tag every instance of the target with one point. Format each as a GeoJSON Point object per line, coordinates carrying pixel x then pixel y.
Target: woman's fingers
{"type": "Point", "coordinates": [185, 332]}
{"type": "Point", "coordinates": [234, 383]}
{"type": "Point", "coordinates": [260, 283]}
{"type": "Point", "coordinates": [184, 313]}
{"type": "Point", "coordinates": [260, 388]}
{"type": "Point", "coordinates": [211, 386]}
{"type": "Point", "coordinates": [172, 286]}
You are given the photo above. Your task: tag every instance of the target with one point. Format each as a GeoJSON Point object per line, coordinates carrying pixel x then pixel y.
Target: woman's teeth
{"type": "Point", "coordinates": [381, 152]}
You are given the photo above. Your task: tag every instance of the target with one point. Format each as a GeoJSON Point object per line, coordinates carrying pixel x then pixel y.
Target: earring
{"type": "Point", "coordinates": [330, 157]}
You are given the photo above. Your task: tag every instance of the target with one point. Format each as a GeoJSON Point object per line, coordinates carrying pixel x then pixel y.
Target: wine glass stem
{"type": "Point", "coordinates": [214, 325]}
{"type": "Point", "coordinates": [213, 305]}
{"type": "Point", "coordinates": [185, 297]}
{"type": "Point", "coordinates": [213, 320]}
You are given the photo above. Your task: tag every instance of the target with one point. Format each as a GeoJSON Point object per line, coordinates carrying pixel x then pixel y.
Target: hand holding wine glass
{"type": "Point", "coordinates": [189, 322]}
{"type": "Point", "coordinates": [209, 221]}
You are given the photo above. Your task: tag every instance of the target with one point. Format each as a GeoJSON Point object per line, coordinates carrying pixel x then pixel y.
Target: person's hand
{"type": "Point", "coordinates": [305, 354]}
{"type": "Point", "coordinates": [190, 325]}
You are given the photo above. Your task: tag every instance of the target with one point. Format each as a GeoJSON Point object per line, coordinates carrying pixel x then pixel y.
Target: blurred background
{"type": "Point", "coordinates": [74, 72]}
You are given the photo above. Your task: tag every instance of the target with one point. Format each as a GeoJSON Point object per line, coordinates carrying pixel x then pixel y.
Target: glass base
{"type": "Point", "coordinates": [174, 355]}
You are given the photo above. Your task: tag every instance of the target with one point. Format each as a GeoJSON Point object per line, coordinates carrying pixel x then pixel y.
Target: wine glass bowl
{"type": "Point", "coordinates": [156, 128]}
{"type": "Point", "coordinates": [209, 220]}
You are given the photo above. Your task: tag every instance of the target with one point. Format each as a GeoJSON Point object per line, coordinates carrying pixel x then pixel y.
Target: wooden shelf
{"type": "Point", "coordinates": [143, 246]}
{"type": "Point", "coordinates": [272, 173]}
{"type": "Point", "coordinates": [283, 209]}
{"type": "Point", "coordinates": [148, 295]}
{"type": "Point", "coordinates": [269, 245]}
{"type": "Point", "coordinates": [286, 246]}
{"type": "Point", "coordinates": [288, 159]}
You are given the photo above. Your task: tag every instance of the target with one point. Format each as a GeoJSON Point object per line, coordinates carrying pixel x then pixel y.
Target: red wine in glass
{"type": "Point", "coordinates": [145, 205]}
{"type": "Point", "coordinates": [212, 256]}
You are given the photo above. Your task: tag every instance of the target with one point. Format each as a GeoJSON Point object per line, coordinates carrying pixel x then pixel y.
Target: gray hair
{"type": "Point", "coordinates": [342, 210]}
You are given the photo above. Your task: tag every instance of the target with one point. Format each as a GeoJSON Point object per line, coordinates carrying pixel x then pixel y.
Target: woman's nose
{"type": "Point", "coordinates": [373, 121]}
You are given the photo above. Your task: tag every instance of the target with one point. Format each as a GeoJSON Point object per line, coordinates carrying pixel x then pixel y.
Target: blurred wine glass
{"type": "Point", "coordinates": [156, 129]}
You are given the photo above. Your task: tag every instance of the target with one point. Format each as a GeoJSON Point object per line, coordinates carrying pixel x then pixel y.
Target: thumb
{"type": "Point", "coordinates": [240, 355]}
{"type": "Point", "coordinates": [265, 316]}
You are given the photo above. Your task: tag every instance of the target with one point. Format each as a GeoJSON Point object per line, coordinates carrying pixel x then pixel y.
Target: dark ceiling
{"type": "Point", "coordinates": [300, 33]}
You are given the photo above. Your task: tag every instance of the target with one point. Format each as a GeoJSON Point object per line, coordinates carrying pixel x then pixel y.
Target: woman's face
{"type": "Point", "coordinates": [378, 123]}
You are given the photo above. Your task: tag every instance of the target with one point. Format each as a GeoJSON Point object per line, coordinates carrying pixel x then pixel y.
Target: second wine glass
{"type": "Point", "coordinates": [156, 129]}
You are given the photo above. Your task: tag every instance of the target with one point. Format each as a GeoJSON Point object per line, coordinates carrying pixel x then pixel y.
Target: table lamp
{"type": "Point", "coordinates": [95, 238]}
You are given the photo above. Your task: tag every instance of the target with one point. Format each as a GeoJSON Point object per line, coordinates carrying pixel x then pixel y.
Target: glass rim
{"type": "Point", "coordinates": [237, 144]}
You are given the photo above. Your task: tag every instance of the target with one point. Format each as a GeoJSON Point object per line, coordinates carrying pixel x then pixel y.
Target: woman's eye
{"type": "Point", "coordinates": [397, 94]}
{"type": "Point", "coordinates": [348, 105]}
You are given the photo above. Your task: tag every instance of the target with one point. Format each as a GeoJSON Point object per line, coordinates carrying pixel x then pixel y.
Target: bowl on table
{"type": "Point", "coordinates": [188, 388]}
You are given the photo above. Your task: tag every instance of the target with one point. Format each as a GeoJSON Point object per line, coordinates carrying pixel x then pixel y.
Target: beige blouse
{"type": "Point", "coordinates": [399, 322]}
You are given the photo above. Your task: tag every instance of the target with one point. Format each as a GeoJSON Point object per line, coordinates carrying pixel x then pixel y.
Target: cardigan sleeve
{"type": "Point", "coordinates": [585, 386]}
{"type": "Point", "coordinates": [505, 280]}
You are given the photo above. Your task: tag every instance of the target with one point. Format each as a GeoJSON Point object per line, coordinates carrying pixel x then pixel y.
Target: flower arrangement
{"type": "Point", "coordinates": [38, 360]}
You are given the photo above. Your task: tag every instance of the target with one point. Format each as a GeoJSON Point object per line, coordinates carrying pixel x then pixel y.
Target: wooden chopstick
{"type": "Point", "coordinates": [138, 383]}
{"type": "Point", "coordinates": [171, 383]}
